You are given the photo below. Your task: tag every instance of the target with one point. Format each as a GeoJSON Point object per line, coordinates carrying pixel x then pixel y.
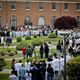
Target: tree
{"type": "Point", "coordinates": [65, 22]}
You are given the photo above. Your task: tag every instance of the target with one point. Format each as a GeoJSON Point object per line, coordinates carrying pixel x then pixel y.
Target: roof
{"type": "Point", "coordinates": [71, 1]}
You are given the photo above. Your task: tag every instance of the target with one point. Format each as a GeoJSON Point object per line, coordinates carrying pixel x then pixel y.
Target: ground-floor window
{"type": "Point", "coordinates": [41, 21]}
{"type": "Point", "coordinates": [53, 20]}
{"type": "Point", "coordinates": [1, 20]}
{"type": "Point", "coordinates": [78, 20]}
{"type": "Point", "coordinates": [28, 21]}
{"type": "Point", "coordinates": [13, 22]}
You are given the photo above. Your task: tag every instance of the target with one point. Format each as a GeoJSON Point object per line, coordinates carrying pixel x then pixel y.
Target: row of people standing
{"type": "Point", "coordinates": [30, 50]}
{"type": "Point", "coordinates": [7, 40]}
{"type": "Point", "coordinates": [44, 49]}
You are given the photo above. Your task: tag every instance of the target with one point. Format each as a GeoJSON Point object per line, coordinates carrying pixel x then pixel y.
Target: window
{"type": "Point", "coordinates": [1, 20]}
{"type": "Point", "coordinates": [13, 5]}
{"type": "Point", "coordinates": [53, 20]}
{"type": "Point", "coordinates": [28, 20]}
{"type": "Point", "coordinates": [78, 20]}
{"type": "Point", "coordinates": [78, 6]}
{"type": "Point", "coordinates": [27, 5]}
{"type": "Point", "coordinates": [13, 21]}
{"type": "Point", "coordinates": [41, 21]}
{"type": "Point", "coordinates": [53, 6]}
{"type": "Point", "coordinates": [41, 5]}
{"type": "Point", "coordinates": [66, 6]}
{"type": "Point", "coordinates": [0, 6]}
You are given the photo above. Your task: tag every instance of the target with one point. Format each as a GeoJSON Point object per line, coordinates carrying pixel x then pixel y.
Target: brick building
{"type": "Point", "coordinates": [36, 12]}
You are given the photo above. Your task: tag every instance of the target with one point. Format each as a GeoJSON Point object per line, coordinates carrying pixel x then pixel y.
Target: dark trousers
{"type": "Point", "coordinates": [50, 76]}
{"type": "Point", "coordinates": [41, 55]}
{"type": "Point", "coordinates": [46, 55]}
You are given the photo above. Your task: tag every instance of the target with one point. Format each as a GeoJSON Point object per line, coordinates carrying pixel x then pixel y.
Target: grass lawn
{"type": "Point", "coordinates": [43, 38]}
{"type": "Point", "coordinates": [4, 76]}
{"type": "Point", "coordinates": [53, 41]}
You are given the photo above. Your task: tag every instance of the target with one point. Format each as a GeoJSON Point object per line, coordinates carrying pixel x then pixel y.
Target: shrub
{"type": "Point", "coordinates": [19, 39]}
{"type": "Point", "coordinates": [73, 68]}
{"type": "Point", "coordinates": [37, 42]}
{"type": "Point", "coordinates": [27, 38]}
{"type": "Point", "coordinates": [16, 52]}
{"type": "Point", "coordinates": [12, 53]}
{"type": "Point", "coordinates": [35, 36]}
{"type": "Point", "coordinates": [2, 63]}
{"type": "Point", "coordinates": [2, 53]}
{"type": "Point", "coordinates": [52, 35]}
{"type": "Point", "coordinates": [8, 49]}
{"type": "Point", "coordinates": [21, 45]}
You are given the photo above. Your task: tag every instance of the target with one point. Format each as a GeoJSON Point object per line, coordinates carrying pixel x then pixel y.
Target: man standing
{"type": "Point", "coordinates": [46, 50]}
{"type": "Point", "coordinates": [24, 52]}
{"type": "Point", "coordinates": [22, 72]}
{"type": "Point", "coordinates": [41, 51]}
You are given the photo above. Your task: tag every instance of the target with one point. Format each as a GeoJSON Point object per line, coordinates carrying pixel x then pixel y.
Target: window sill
{"type": "Point", "coordinates": [27, 9]}
{"type": "Point", "coordinates": [53, 9]}
{"type": "Point", "coordinates": [41, 9]}
{"type": "Point", "coordinates": [13, 9]}
{"type": "Point", "coordinates": [66, 10]}
{"type": "Point", "coordinates": [77, 10]}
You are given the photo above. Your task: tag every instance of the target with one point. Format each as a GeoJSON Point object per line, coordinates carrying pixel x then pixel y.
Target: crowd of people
{"type": "Point", "coordinates": [37, 69]}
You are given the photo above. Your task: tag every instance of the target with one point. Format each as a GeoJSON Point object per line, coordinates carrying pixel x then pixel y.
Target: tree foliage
{"type": "Point", "coordinates": [65, 22]}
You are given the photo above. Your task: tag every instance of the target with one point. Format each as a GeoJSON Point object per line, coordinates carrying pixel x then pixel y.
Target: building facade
{"type": "Point", "coordinates": [36, 12]}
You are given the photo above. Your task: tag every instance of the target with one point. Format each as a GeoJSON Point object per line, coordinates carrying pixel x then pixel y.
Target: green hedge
{"type": "Point", "coordinates": [73, 68]}
{"type": "Point", "coordinates": [28, 38]}
{"type": "Point", "coordinates": [21, 45]}
{"type": "Point", "coordinates": [35, 36]}
{"type": "Point", "coordinates": [52, 35]}
{"type": "Point", "coordinates": [2, 63]}
{"type": "Point", "coordinates": [19, 39]}
{"type": "Point", "coordinates": [37, 42]}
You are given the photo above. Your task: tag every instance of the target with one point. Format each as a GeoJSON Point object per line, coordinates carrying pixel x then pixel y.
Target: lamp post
{"type": "Point", "coordinates": [65, 36]}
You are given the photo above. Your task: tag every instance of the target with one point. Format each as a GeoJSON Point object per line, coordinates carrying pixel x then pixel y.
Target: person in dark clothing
{"type": "Point", "coordinates": [73, 41]}
{"type": "Point", "coordinates": [33, 71]}
{"type": "Point", "coordinates": [50, 58]}
{"type": "Point", "coordinates": [46, 50]}
{"type": "Point", "coordinates": [29, 51]}
{"type": "Point", "coordinates": [41, 51]}
{"type": "Point", "coordinates": [50, 72]}
{"type": "Point", "coordinates": [12, 64]}
{"type": "Point", "coordinates": [43, 69]}
{"type": "Point", "coordinates": [58, 47]}
{"type": "Point", "coordinates": [39, 74]}
{"type": "Point", "coordinates": [70, 50]}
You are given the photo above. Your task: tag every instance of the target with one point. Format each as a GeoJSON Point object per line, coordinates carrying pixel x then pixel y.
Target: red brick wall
{"type": "Point", "coordinates": [34, 12]}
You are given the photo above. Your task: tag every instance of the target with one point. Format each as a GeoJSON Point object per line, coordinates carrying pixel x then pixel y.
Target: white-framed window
{"type": "Point", "coordinates": [78, 20]}
{"type": "Point", "coordinates": [65, 6]}
{"type": "Point", "coordinates": [27, 5]}
{"type": "Point", "coordinates": [13, 5]}
{"type": "Point", "coordinates": [41, 21]}
{"type": "Point", "coordinates": [78, 6]}
{"type": "Point", "coordinates": [1, 20]}
{"type": "Point", "coordinates": [41, 6]}
{"type": "Point", "coordinates": [54, 6]}
{"type": "Point", "coordinates": [27, 20]}
{"type": "Point", "coordinates": [0, 5]}
{"type": "Point", "coordinates": [14, 21]}
{"type": "Point", "coordinates": [53, 20]}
